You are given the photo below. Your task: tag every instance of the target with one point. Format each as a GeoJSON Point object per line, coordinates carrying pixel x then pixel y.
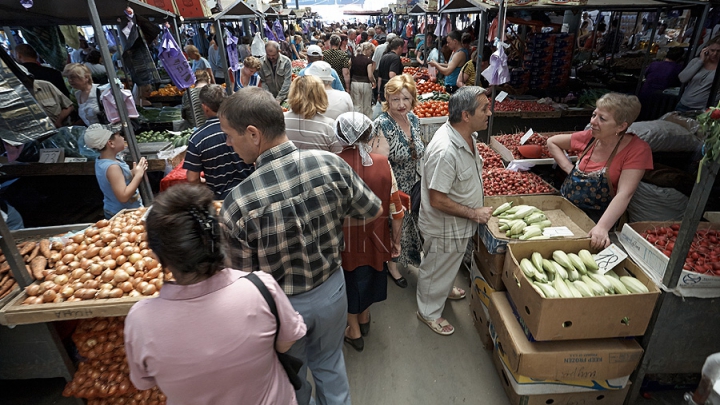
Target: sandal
{"type": "Point", "coordinates": [437, 327]}
{"type": "Point", "coordinates": [457, 293]}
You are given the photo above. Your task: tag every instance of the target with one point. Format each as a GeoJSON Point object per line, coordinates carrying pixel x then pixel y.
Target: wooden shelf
{"type": "Point", "coordinates": [63, 169]}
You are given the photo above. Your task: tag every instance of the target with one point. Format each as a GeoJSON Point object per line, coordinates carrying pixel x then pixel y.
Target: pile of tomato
{"type": "Point", "coordinates": [428, 87]}
{"type": "Point", "coordinates": [704, 254]}
{"type": "Point", "coordinates": [431, 108]}
{"type": "Point", "coordinates": [522, 106]}
{"type": "Point", "coordinates": [491, 159]}
{"type": "Point", "coordinates": [299, 64]}
{"type": "Point", "coordinates": [512, 141]}
{"type": "Point", "coordinates": [508, 182]}
{"type": "Point", "coordinates": [405, 61]}
{"type": "Point", "coordinates": [412, 71]}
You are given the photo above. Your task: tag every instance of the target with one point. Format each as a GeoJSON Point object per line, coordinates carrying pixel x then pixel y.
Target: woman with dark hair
{"type": "Point", "coordinates": [209, 338]}
{"type": "Point", "coordinates": [457, 60]}
{"type": "Point", "coordinates": [97, 69]}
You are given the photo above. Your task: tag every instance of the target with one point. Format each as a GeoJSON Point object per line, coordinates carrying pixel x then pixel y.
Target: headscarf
{"type": "Point", "coordinates": [352, 126]}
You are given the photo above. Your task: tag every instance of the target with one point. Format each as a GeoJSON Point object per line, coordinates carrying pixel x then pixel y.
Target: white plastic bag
{"type": "Point", "coordinates": [258, 46]}
{"type": "Point", "coordinates": [377, 110]}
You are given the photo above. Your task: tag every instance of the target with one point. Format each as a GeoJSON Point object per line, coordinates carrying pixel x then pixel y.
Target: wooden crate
{"type": "Point", "coordinates": [14, 313]}
{"type": "Point", "coordinates": [540, 114]}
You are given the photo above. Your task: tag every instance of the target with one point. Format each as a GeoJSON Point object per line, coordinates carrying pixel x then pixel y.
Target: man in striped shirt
{"type": "Point", "coordinates": [208, 152]}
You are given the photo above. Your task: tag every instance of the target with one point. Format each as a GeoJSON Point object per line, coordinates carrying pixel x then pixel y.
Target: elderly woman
{"type": "Point", "coordinates": [209, 306]}
{"type": "Point", "coordinates": [610, 166]}
{"type": "Point", "coordinates": [305, 125]}
{"type": "Point", "coordinates": [362, 78]}
{"type": "Point", "coordinates": [247, 75]}
{"type": "Point", "coordinates": [397, 136]}
{"type": "Point", "coordinates": [366, 247]}
{"type": "Point", "coordinates": [698, 77]}
{"type": "Point", "coordinates": [80, 79]}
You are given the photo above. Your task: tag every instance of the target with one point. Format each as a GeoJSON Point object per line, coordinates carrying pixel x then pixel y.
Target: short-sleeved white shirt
{"type": "Point", "coordinates": [453, 168]}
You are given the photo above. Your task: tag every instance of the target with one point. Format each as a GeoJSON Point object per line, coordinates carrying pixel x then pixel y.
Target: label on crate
{"type": "Point", "coordinates": [75, 160]}
{"type": "Point", "coordinates": [609, 258]}
{"type": "Point", "coordinates": [557, 231]}
{"type": "Point", "coordinates": [527, 136]}
{"type": "Point", "coordinates": [426, 96]}
{"type": "Point", "coordinates": [501, 96]}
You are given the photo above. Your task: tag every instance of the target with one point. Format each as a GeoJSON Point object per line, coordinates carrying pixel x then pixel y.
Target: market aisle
{"type": "Point", "coordinates": [405, 362]}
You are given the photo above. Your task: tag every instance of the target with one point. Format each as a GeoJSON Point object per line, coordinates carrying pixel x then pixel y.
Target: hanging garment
{"type": "Point", "coordinates": [497, 73]}
{"type": "Point", "coordinates": [174, 62]}
{"type": "Point", "coordinates": [200, 40]}
{"type": "Point", "coordinates": [110, 38]}
{"type": "Point", "coordinates": [49, 44]}
{"type": "Point", "coordinates": [70, 33]}
{"type": "Point", "coordinates": [278, 31]}
{"type": "Point", "coordinates": [137, 58]}
{"type": "Point", "coordinates": [232, 52]}
{"type": "Point", "coordinates": [269, 34]}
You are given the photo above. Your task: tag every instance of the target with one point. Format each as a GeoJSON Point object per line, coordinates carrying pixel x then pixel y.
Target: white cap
{"type": "Point", "coordinates": [322, 70]}
{"type": "Point", "coordinates": [390, 37]}
{"type": "Point", "coordinates": [314, 50]}
{"type": "Point", "coordinates": [97, 136]}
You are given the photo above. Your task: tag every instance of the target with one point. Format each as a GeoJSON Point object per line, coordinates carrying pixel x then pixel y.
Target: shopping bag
{"type": "Point", "coordinates": [232, 52]}
{"type": "Point", "coordinates": [377, 110]}
{"type": "Point", "coordinates": [258, 46]}
{"type": "Point", "coordinates": [174, 61]}
{"type": "Point", "coordinates": [497, 72]}
{"type": "Point", "coordinates": [111, 110]}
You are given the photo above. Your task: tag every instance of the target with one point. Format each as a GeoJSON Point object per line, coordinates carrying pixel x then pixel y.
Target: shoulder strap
{"type": "Point", "coordinates": [268, 298]}
{"type": "Point", "coordinates": [587, 148]}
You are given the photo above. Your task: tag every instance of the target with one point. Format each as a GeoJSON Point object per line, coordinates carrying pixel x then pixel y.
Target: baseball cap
{"type": "Point", "coordinates": [97, 136]}
{"type": "Point", "coordinates": [322, 70]}
{"type": "Point", "coordinates": [314, 50]}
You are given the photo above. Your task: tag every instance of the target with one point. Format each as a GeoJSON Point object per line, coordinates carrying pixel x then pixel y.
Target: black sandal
{"type": "Point", "coordinates": [400, 282]}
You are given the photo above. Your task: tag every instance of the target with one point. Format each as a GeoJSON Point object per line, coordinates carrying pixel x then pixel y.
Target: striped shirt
{"type": "Point", "coordinates": [286, 218]}
{"type": "Point", "coordinates": [208, 153]}
{"type": "Point", "coordinates": [313, 133]}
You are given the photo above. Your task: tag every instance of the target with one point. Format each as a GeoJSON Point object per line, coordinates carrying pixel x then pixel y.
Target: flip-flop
{"type": "Point", "coordinates": [456, 294]}
{"type": "Point", "coordinates": [437, 327]}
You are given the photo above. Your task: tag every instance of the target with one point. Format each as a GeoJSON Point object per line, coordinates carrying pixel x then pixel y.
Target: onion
{"type": "Point", "coordinates": [149, 289]}
{"type": "Point", "coordinates": [102, 294]}
{"type": "Point", "coordinates": [126, 266]}
{"type": "Point", "coordinates": [135, 257]}
{"type": "Point", "coordinates": [107, 275]}
{"type": "Point", "coordinates": [55, 257]}
{"type": "Point", "coordinates": [121, 276]}
{"type": "Point", "coordinates": [104, 251]}
{"type": "Point", "coordinates": [127, 250]}
{"type": "Point", "coordinates": [74, 264]}
{"type": "Point", "coordinates": [62, 269]}
{"type": "Point", "coordinates": [32, 290]}
{"type": "Point", "coordinates": [116, 293]}
{"type": "Point", "coordinates": [107, 237]}
{"type": "Point", "coordinates": [116, 252]}
{"type": "Point", "coordinates": [121, 260]}
{"type": "Point", "coordinates": [132, 237]}
{"type": "Point", "coordinates": [76, 285]}
{"type": "Point", "coordinates": [89, 294]}
{"type": "Point", "coordinates": [91, 284]}
{"type": "Point", "coordinates": [130, 269]}
{"type": "Point", "coordinates": [134, 293]}
{"type": "Point", "coordinates": [110, 264]}
{"type": "Point", "coordinates": [49, 296]}
{"type": "Point", "coordinates": [61, 279]}
{"type": "Point", "coordinates": [47, 285]}
{"type": "Point", "coordinates": [85, 277]}
{"type": "Point", "coordinates": [68, 258]}
{"type": "Point", "coordinates": [95, 239]}
{"type": "Point", "coordinates": [67, 292]}
{"type": "Point", "coordinates": [95, 269]}
{"type": "Point", "coordinates": [143, 245]}
{"type": "Point", "coordinates": [76, 274]}
{"type": "Point", "coordinates": [84, 264]}
{"type": "Point", "coordinates": [92, 252]}
{"type": "Point", "coordinates": [102, 223]}
{"type": "Point", "coordinates": [70, 249]}
{"type": "Point", "coordinates": [152, 274]}
{"type": "Point", "coordinates": [158, 283]}
{"type": "Point", "coordinates": [78, 238]}
{"type": "Point", "coordinates": [125, 286]}
{"type": "Point", "coordinates": [122, 239]}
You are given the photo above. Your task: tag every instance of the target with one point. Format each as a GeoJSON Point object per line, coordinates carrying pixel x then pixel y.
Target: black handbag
{"type": "Point", "coordinates": [291, 364]}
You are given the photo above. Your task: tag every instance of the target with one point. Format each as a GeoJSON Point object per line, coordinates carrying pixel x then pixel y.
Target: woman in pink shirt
{"type": "Point", "coordinates": [209, 338]}
{"type": "Point", "coordinates": [610, 166]}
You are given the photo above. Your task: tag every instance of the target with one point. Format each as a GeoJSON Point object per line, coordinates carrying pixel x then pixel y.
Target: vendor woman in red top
{"type": "Point", "coordinates": [610, 166]}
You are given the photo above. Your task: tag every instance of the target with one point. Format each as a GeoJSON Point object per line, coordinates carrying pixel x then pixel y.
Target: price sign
{"type": "Point", "coordinates": [501, 96]}
{"type": "Point", "coordinates": [75, 160]}
{"type": "Point", "coordinates": [426, 96]}
{"type": "Point", "coordinates": [609, 258]}
{"type": "Point", "coordinates": [51, 155]}
{"type": "Point", "coordinates": [557, 231]}
{"type": "Point", "coordinates": [527, 136]}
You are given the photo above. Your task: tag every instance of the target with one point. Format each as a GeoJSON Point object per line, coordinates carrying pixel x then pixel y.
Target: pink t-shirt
{"type": "Point", "coordinates": [636, 155]}
{"type": "Point", "coordinates": [212, 342]}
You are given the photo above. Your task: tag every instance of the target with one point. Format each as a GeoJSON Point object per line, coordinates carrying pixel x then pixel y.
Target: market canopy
{"type": "Point", "coordinates": [271, 11]}
{"type": "Point", "coordinates": [73, 12]}
{"type": "Point", "coordinates": [419, 10]}
{"type": "Point", "coordinates": [473, 6]}
{"type": "Point", "coordinates": [464, 6]}
{"type": "Point", "coordinates": [238, 10]}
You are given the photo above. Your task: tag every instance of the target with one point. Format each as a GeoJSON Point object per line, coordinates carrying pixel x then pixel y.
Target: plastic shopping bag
{"type": "Point", "coordinates": [174, 61]}
{"type": "Point", "coordinates": [258, 46]}
{"type": "Point", "coordinates": [497, 72]}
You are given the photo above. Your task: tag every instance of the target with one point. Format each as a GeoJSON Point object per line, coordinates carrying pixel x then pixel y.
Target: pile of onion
{"type": "Point", "coordinates": [108, 260]}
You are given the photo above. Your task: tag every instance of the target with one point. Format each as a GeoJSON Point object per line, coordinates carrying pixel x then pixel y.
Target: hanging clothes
{"type": "Point", "coordinates": [232, 52]}
{"type": "Point", "coordinates": [137, 57]}
{"type": "Point", "coordinates": [269, 33]}
{"type": "Point", "coordinates": [278, 30]}
{"type": "Point", "coordinates": [49, 43]}
{"type": "Point", "coordinates": [201, 41]}
{"type": "Point", "coordinates": [70, 33]}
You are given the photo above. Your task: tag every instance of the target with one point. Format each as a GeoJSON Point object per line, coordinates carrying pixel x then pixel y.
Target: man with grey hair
{"type": "Point", "coordinates": [287, 219]}
{"type": "Point", "coordinates": [451, 203]}
{"type": "Point", "coordinates": [352, 36]}
{"type": "Point", "coordinates": [207, 151]}
{"type": "Point", "coordinates": [380, 50]}
{"type": "Point", "coordinates": [276, 72]}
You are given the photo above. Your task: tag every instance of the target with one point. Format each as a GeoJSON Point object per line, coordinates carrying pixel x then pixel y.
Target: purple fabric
{"type": "Point", "coordinates": [659, 76]}
{"type": "Point", "coordinates": [269, 34]}
{"type": "Point", "coordinates": [497, 73]}
{"type": "Point", "coordinates": [278, 30]}
{"type": "Point", "coordinates": [174, 61]}
{"type": "Point", "coordinates": [232, 52]}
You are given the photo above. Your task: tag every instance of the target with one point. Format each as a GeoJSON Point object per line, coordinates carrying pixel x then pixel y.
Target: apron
{"type": "Point", "coordinates": [591, 192]}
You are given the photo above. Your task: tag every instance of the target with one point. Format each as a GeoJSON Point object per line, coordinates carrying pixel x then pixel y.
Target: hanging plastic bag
{"type": "Point", "coordinates": [232, 52]}
{"type": "Point", "coordinates": [497, 73]}
{"type": "Point", "coordinates": [174, 61]}
{"type": "Point", "coordinates": [258, 46]}
{"type": "Point", "coordinates": [432, 72]}
{"type": "Point", "coordinates": [278, 30]}
{"type": "Point", "coordinates": [110, 38]}
{"type": "Point", "coordinates": [111, 111]}
{"type": "Point", "coordinates": [269, 34]}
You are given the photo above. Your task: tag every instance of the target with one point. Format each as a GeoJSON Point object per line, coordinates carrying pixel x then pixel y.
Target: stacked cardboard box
{"type": "Point", "coordinates": [562, 59]}
{"type": "Point", "coordinates": [568, 350]}
{"type": "Point", "coordinates": [538, 59]}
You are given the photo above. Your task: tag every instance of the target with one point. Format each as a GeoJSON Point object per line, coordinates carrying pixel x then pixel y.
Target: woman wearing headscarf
{"type": "Point", "coordinates": [367, 247]}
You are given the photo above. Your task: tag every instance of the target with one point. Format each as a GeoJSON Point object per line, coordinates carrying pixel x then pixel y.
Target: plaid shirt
{"type": "Point", "coordinates": [286, 218]}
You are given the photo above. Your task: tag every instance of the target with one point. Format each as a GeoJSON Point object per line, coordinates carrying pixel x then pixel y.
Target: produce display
{"type": "Point", "coordinates": [704, 254]}
{"type": "Point", "coordinates": [405, 61]}
{"type": "Point", "coordinates": [522, 106]}
{"type": "Point", "coordinates": [523, 222]}
{"type": "Point", "coordinates": [571, 275]}
{"type": "Point", "coordinates": [104, 378]}
{"type": "Point", "coordinates": [512, 141]}
{"type": "Point", "coordinates": [428, 87]}
{"type": "Point", "coordinates": [33, 260]}
{"type": "Point", "coordinates": [108, 260]}
{"type": "Point", "coordinates": [164, 114]}
{"type": "Point", "coordinates": [431, 108]}
{"type": "Point", "coordinates": [491, 159]}
{"type": "Point", "coordinates": [508, 182]}
{"type": "Point", "coordinates": [167, 91]}
{"type": "Point", "coordinates": [177, 139]}
{"type": "Point", "coordinates": [710, 128]}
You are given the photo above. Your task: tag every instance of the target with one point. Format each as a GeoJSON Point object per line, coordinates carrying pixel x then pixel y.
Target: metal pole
{"type": "Point", "coordinates": [220, 39]}
{"type": "Point", "coordinates": [646, 58]}
{"type": "Point", "coordinates": [145, 190]}
{"type": "Point", "coordinates": [615, 40]}
{"type": "Point", "coordinates": [175, 30]}
{"type": "Point", "coordinates": [10, 37]}
{"type": "Point", "coordinates": [481, 46]}
{"type": "Point", "coordinates": [500, 30]}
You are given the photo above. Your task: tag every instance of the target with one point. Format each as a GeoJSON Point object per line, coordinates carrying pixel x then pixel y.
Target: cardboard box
{"type": "Point", "coordinates": [592, 397]}
{"type": "Point", "coordinates": [655, 263]}
{"type": "Point", "coordinates": [594, 359]}
{"type": "Point", "coordinates": [167, 5]}
{"type": "Point", "coordinates": [577, 318]}
{"type": "Point", "coordinates": [479, 284]}
{"type": "Point", "coordinates": [558, 210]}
{"type": "Point", "coordinates": [489, 265]}
{"type": "Point", "coordinates": [193, 8]}
{"type": "Point", "coordinates": [481, 318]}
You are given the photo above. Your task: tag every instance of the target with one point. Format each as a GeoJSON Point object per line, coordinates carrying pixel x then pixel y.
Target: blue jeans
{"type": "Point", "coordinates": [683, 108]}
{"type": "Point", "coordinates": [324, 310]}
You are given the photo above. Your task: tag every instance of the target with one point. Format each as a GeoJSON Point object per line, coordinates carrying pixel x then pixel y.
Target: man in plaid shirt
{"type": "Point", "coordinates": [286, 219]}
